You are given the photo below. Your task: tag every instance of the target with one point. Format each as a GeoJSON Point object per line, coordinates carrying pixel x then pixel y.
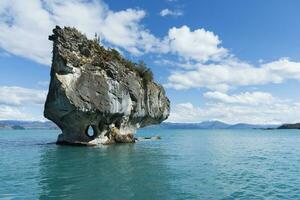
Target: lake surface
{"type": "Point", "coordinates": [184, 164]}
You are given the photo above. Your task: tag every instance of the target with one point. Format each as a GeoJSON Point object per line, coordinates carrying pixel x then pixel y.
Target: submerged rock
{"type": "Point", "coordinates": [96, 96]}
{"type": "Point", "coordinates": [157, 137]}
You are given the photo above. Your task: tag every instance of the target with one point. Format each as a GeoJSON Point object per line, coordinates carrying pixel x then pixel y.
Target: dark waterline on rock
{"type": "Point", "coordinates": [184, 164]}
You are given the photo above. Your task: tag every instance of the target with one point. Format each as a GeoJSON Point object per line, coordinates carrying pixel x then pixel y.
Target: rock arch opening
{"type": "Point", "coordinates": [90, 132]}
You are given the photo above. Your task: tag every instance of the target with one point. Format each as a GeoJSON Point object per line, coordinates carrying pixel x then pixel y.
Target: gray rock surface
{"type": "Point", "coordinates": [95, 87]}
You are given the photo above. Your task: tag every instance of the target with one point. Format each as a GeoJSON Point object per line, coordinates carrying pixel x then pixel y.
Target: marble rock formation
{"type": "Point", "coordinates": [95, 89]}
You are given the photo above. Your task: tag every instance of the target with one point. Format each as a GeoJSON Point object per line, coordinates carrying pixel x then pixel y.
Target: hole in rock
{"type": "Point", "coordinates": [118, 124]}
{"type": "Point", "coordinates": [90, 131]}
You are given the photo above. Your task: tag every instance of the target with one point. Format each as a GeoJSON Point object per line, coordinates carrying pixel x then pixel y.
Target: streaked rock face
{"type": "Point", "coordinates": [91, 88]}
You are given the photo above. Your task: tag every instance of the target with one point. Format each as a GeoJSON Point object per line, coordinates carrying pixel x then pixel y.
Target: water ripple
{"type": "Point", "coordinates": [185, 164]}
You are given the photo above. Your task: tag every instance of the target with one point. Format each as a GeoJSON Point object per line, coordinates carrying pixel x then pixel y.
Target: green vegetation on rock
{"type": "Point", "coordinates": [91, 51]}
{"type": "Point", "coordinates": [140, 68]}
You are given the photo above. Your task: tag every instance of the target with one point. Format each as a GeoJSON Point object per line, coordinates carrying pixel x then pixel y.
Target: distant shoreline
{"type": "Point", "coordinates": [48, 125]}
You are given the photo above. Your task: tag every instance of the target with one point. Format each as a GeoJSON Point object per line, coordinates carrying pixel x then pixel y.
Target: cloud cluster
{"type": "Point", "coordinates": [206, 64]}
{"type": "Point", "coordinates": [25, 26]}
{"type": "Point", "coordinates": [18, 96]}
{"type": "Point", "coordinates": [247, 98]}
{"type": "Point", "coordinates": [21, 103]}
{"type": "Point", "coordinates": [238, 108]}
{"type": "Point", "coordinates": [199, 45]}
{"type": "Point", "coordinates": [8, 113]}
{"type": "Point", "coordinates": [168, 12]}
{"type": "Point", "coordinates": [232, 73]}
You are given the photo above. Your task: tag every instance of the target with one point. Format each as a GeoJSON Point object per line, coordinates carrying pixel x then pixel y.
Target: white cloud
{"type": "Point", "coordinates": [122, 29]}
{"type": "Point", "coordinates": [232, 73]}
{"type": "Point", "coordinates": [186, 112]}
{"type": "Point", "coordinates": [171, 63]}
{"type": "Point", "coordinates": [248, 98]}
{"type": "Point", "coordinates": [21, 103]}
{"type": "Point", "coordinates": [267, 113]}
{"type": "Point", "coordinates": [283, 69]}
{"type": "Point", "coordinates": [199, 45]}
{"type": "Point", "coordinates": [8, 113]}
{"type": "Point", "coordinates": [168, 12]}
{"type": "Point", "coordinates": [19, 96]}
{"type": "Point", "coordinates": [25, 26]}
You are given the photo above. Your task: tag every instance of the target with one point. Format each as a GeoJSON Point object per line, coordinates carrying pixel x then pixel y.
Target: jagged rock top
{"type": "Point", "coordinates": [95, 87]}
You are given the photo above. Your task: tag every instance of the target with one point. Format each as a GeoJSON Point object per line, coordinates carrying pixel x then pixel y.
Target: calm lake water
{"type": "Point", "coordinates": [184, 164]}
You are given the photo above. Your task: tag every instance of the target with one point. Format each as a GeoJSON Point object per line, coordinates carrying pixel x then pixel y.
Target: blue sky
{"type": "Point", "coordinates": [235, 61]}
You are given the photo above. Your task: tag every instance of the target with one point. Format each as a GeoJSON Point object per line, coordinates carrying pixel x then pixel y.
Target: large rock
{"type": "Point", "coordinates": [92, 87]}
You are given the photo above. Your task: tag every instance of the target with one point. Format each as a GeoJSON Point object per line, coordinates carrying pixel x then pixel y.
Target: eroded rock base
{"type": "Point", "coordinates": [128, 138]}
{"type": "Point", "coordinates": [112, 137]}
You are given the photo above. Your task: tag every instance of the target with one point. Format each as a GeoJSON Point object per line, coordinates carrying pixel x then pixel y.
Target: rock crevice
{"type": "Point", "coordinates": [97, 87]}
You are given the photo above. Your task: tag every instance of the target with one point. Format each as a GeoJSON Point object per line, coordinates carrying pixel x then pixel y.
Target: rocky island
{"type": "Point", "coordinates": [96, 96]}
{"type": "Point", "coordinates": [290, 126]}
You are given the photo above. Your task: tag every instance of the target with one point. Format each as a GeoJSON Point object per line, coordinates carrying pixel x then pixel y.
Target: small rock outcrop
{"type": "Point", "coordinates": [96, 96]}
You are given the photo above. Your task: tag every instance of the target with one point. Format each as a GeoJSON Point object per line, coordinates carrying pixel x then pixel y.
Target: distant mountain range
{"type": "Point", "coordinates": [19, 125]}
{"type": "Point", "coordinates": [217, 125]}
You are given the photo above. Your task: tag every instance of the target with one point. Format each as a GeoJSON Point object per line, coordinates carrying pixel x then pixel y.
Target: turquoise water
{"type": "Point", "coordinates": [185, 164]}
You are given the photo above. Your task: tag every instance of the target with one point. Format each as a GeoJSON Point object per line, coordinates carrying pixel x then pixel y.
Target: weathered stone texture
{"type": "Point", "coordinates": [92, 87]}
